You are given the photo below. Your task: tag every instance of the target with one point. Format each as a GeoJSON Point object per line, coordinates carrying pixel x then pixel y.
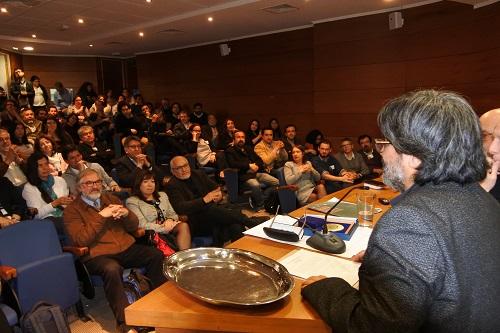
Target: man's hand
{"type": "Point", "coordinates": [81, 165]}
{"type": "Point", "coordinates": [312, 280]}
{"type": "Point", "coordinates": [142, 160]}
{"type": "Point", "coordinates": [279, 144]}
{"type": "Point", "coordinates": [110, 211]}
{"type": "Point", "coordinates": [115, 188]}
{"type": "Point", "coordinates": [214, 196]}
{"type": "Point", "coordinates": [358, 257]}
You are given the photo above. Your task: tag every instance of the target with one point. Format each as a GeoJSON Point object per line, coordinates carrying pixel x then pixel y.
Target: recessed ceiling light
{"type": "Point", "coordinates": [91, 45]}
{"type": "Point", "coordinates": [149, 1]}
{"type": "Point", "coordinates": [81, 21]}
{"type": "Point", "coordinates": [3, 10]}
{"type": "Point", "coordinates": [28, 48]}
{"type": "Point", "coordinates": [34, 36]}
{"type": "Point", "coordinates": [210, 19]}
{"type": "Point", "coordinates": [15, 48]}
{"type": "Point", "coordinates": [141, 34]}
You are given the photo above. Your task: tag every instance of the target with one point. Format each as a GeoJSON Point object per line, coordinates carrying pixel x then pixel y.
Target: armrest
{"type": "Point", "coordinates": [76, 251]}
{"type": "Point", "coordinates": [7, 273]}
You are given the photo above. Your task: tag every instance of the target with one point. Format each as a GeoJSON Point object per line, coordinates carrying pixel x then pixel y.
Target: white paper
{"type": "Point", "coordinates": [304, 263]}
{"type": "Point", "coordinates": [358, 242]}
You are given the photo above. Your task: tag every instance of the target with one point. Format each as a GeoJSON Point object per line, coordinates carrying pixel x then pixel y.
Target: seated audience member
{"type": "Point", "coordinates": [313, 139]}
{"type": "Point", "coordinates": [12, 205]}
{"type": "Point", "coordinates": [77, 164]}
{"type": "Point", "coordinates": [163, 136]}
{"type": "Point", "coordinates": [92, 150]}
{"type": "Point", "coordinates": [210, 131]}
{"type": "Point", "coordinates": [62, 97]}
{"type": "Point", "coordinates": [99, 121]}
{"type": "Point", "coordinates": [71, 126]}
{"type": "Point", "coordinates": [192, 193]}
{"type": "Point", "coordinates": [53, 112]}
{"type": "Point", "coordinates": [55, 131]}
{"type": "Point", "coordinates": [198, 115]}
{"type": "Point", "coordinates": [490, 126]}
{"type": "Point", "coordinates": [77, 108]}
{"type": "Point", "coordinates": [330, 169]}
{"type": "Point", "coordinates": [172, 115]}
{"type": "Point", "coordinates": [424, 269]}
{"type": "Point", "coordinates": [87, 93]}
{"type": "Point", "coordinates": [57, 165]}
{"type": "Point", "coordinates": [226, 136]}
{"type": "Point", "coordinates": [290, 139]}
{"type": "Point", "coordinates": [372, 157]}
{"type": "Point", "coordinates": [154, 211]}
{"type": "Point", "coordinates": [253, 134]}
{"type": "Point", "coordinates": [351, 161]}
{"type": "Point", "coordinates": [272, 153]}
{"type": "Point", "coordinates": [46, 193]}
{"type": "Point", "coordinates": [13, 159]}
{"type": "Point", "coordinates": [301, 173]}
{"type": "Point", "coordinates": [126, 123]}
{"type": "Point", "coordinates": [205, 157]}
{"type": "Point", "coordinates": [134, 161]}
{"type": "Point", "coordinates": [32, 125]}
{"type": "Point", "coordinates": [181, 129]}
{"type": "Point", "coordinates": [9, 117]}
{"type": "Point", "coordinates": [250, 170]}
{"type": "Point", "coordinates": [275, 126]}
{"type": "Point", "coordinates": [41, 114]}
{"type": "Point", "coordinates": [99, 221]}
{"type": "Point", "coordinates": [20, 142]}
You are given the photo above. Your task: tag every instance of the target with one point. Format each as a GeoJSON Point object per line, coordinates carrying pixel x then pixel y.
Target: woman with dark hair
{"type": "Point", "coordinates": [253, 135]}
{"type": "Point", "coordinates": [46, 145]}
{"type": "Point", "coordinates": [71, 127]}
{"type": "Point", "coordinates": [301, 173]}
{"type": "Point", "coordinates": [275, 126]}
{"type": "Point", "coordinates": [154, 211]}
{"type": "Point", "coordinates": [46, 193]}
{"type": "Point", "coordinates": [18, 137]}
{"type": "Point", "coordinates": [53, 129]}
{"type": "Point", "coordinates": [87, 93]}
{"type": "Point", "coordinates": [313, 139]}
{"type": "Point", "coordinates": [227, 135]}
{"type": "Point", "coordinates": [77, 107]}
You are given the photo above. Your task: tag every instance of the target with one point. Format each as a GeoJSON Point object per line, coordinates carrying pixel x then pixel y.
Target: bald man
{"type": "Point", "coordinates": [490, 126]}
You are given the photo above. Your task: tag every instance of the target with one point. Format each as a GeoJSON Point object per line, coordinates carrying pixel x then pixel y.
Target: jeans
{"type": "Point", "coordinates": [259, 195]}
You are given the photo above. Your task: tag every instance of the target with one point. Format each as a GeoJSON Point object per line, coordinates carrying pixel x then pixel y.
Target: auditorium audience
{"type": "Point", "coordinates": [275, 126]}
{"type": "Point", "coordinates": [12, 205]}
{"type": "Point", "coordinates": [253, 134]}
{"type": "Point", "coordinates": [92, 150]}
{"type": "Point", "coordinates": [62, 97]}
{"type": "Point", "coordinates": [13, 159]}
{"type": "Point", "coordinates": [290, 139]}
{"type": "Point", "coordinates": [210, 131]}
{"type": "Point", "coordinates": [19, 139]}
{"type": "Point", "coordinates": [371, 156]}
{"type": "Point", "coordinates": [77, 107]}
{"type": "Point", "coordinates": [53, 129]}
{"type": "Point", "coordinates": [330, 169]}
{"type": "Point", "coordinates": [313, 139]}
{"type": "Point", "coordinates": [32, 125]}
{"type": "Point", "coordinates": [301, 173]}
{"type": "Point", "coordinates": [198, 115]}
{"type": "Point", "coordinates": [272, 152]}
{"type": "Point", "coordinates": [352, 161]}
{"type": "Point", "coordinates": [46, 145]}
{"type": "Point", "coordinates": [40, 99]}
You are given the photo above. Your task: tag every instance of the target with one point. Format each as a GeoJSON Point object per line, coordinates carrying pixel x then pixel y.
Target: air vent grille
{"type": "Point", "coordinates": [280, 9]}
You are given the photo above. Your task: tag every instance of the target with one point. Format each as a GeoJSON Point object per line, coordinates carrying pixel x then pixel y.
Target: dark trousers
{"type": "Point", "coordinates": [110, 268]}
{"type": "Point", "coordinates": [4, 325]}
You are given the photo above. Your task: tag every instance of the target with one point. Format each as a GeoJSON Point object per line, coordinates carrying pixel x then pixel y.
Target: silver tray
{"type": "Point", "coordinates": [228, 276]}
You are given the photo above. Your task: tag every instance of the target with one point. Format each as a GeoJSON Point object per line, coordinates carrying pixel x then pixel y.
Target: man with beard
{"type": "Point", "coordinates": [430, 265]}
{"type": "Point", "coordinates": [99, 221]}
{"type": "Point", "coordinates": [371, 156]}
{"type": "Point", "coordinates": [250, 170]}
{"type": "Point", "coordinates": [330, 169]}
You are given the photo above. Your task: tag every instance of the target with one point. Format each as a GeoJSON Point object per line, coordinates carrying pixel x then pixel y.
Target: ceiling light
{"type": "Point", "coordinates": [81, 21]}
{"type": "Point", "coordinates": [149, 1]}
{"type": "Point", "coordinates": [141, 34]}
{"type": "Point", "coordinates": [28, 48]}
{"type": "Point", "coordinates": [3, 10]}
{"type": "Point", "coordinates": [91, 45]}
{"type": "Point", "coordinates": [15, 48]}
{"type": "Point", "coordinates": [34, 36]}
{"type": "Point", "coordinates": [210, 19]}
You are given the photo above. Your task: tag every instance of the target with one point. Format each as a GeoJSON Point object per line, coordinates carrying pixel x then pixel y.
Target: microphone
{"type": "Point", "coordinates": [287, 233]}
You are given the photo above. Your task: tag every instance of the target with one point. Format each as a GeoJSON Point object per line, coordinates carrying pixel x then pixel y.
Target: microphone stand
{"type": "Point", "coordinates": [325, 228]}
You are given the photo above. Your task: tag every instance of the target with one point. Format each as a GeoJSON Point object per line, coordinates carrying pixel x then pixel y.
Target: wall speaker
{"type": "Point", "coordinates": [396, 20]}
{"type": "Point", "coordinates": [224, 49]}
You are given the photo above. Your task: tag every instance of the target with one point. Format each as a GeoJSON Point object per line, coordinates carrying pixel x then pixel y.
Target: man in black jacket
{"type": "Point", "coordinates": [431, 264]}
{"type": "Point", "coordinates": [250, 170]}
{"type": "Point", "coordinates": [21, 89]}
{"type": "Point", "coordinates": [192, 193]}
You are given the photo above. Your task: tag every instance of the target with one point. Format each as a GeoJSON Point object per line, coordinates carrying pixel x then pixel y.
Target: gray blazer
{"type": "Point", "coordinates": [305, 181]}
{"type": "Point", "coordinates": [147, 213]}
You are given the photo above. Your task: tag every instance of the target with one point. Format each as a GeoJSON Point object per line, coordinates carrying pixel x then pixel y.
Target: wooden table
{"type": "Point", "coordinates": [170, 310]}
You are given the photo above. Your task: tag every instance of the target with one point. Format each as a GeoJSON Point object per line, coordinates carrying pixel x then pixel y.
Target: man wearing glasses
{"type": "Point", "coordinates": [99, 221]}
{"type": "Point", "coordinates": [490, 126]}
{"type": "Point", "coordinates": [431, 264]}
{"type": "Point", "coordinates": [351, 161]}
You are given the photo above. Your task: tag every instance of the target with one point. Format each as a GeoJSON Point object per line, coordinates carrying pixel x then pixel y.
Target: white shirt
{"type": "Point", "coordinates": [39, 100]}
{"type": "Point", "coordinates": [34, 198]}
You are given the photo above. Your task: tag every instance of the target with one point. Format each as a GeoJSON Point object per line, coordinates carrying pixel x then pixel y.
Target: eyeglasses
{"type": "Point", "coordinates": [92, 183]}
{"type": "Point", "coordinates": [380, 144]}
{"type": "Point", "coordinates": [180, 167]}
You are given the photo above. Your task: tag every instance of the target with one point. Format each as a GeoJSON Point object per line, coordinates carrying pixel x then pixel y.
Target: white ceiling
{"type": "Point", "coordinates": [113, 26]}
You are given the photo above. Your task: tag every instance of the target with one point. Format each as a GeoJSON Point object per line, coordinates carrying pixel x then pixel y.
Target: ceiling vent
{"type": "Point", "coordinates": [280, 9]}
{"type": "Point", "coordinates": [114, 43]}
{"type": "Point", "coordinates": [171, 32]}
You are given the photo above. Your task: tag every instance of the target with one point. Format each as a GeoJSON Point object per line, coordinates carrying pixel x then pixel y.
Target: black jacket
{"type": "Point", "coordinates": [240, 159]}
{"type": "Point", "coordinates": [127, 171]}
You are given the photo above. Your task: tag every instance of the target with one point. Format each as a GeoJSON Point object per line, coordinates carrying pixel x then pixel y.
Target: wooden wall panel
{"type": "Point", "coordinates": [71, 71]}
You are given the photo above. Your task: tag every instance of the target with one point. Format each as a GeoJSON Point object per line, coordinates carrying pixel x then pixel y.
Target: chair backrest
{"type": "Point", "coordinates": [28, 241]}
{"type": "Point", "coordinates": [288, 200]}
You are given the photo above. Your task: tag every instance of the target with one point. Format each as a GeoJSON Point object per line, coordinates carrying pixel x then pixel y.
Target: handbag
{"type": "Point", "coordinates": [152, 238]}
